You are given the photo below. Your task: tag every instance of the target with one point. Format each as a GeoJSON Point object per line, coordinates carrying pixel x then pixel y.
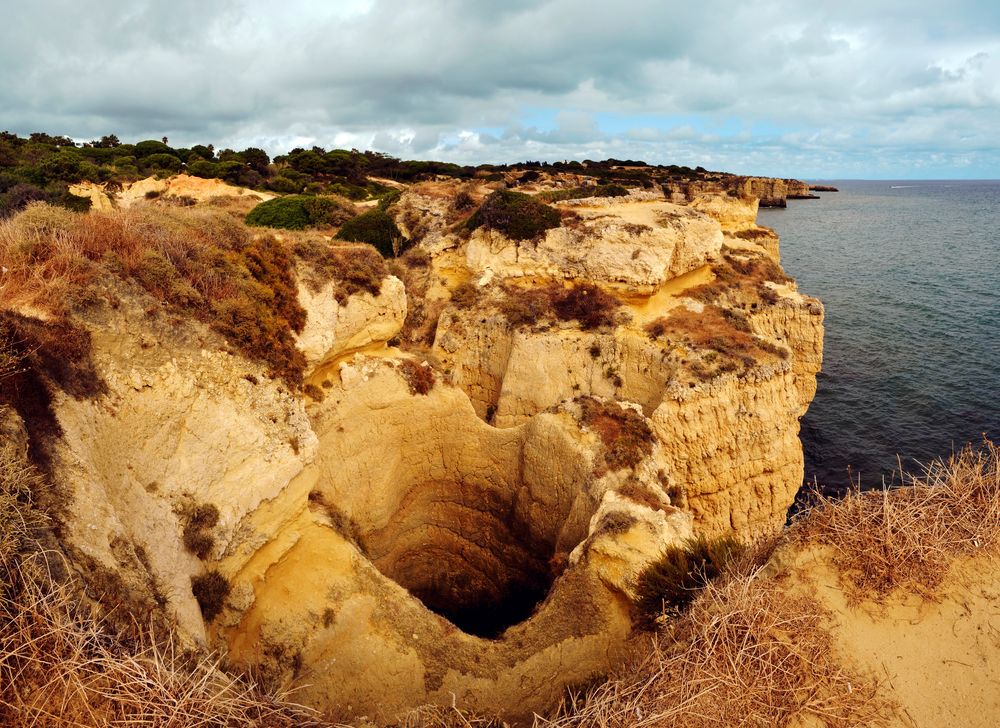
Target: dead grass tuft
{"type": "Point", "coordinates": [420, 377]}
{"type": "Point", "coordinates": [746, 653]}
{"type": "Point", "coordinates": [356, 268]}
{"type": "Point", "coordinates": [60, 667]}
{"type": "Point", "coordinates": [724, 333]}
{"type": "Point", "coordinates": [907, 537]}
{"type": "Point", "coordinates": [741, 273]}
{"type": "Point", "coordinates": [587, 304]}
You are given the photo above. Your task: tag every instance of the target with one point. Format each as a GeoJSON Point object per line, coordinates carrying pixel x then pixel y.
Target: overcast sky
{"type": "Point", "coordinates": [842, 88]}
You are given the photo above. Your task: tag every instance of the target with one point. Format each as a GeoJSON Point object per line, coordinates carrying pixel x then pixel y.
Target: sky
{"type": "Point", "coordinates": [815, 90]}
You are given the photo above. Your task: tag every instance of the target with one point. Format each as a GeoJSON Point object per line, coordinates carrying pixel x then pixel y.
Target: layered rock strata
{"type": "Point", "coordinates": [461, 523]}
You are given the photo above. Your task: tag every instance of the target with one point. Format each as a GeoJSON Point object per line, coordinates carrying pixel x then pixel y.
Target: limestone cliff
{"type": "Point", "coordinates": [489, 446]}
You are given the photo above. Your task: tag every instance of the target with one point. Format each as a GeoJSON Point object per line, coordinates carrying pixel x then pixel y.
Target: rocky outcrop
{"type": "Point", "coordinates": [193, 189]}
{"type": "Point", "coordinates": [461, 523]}
{"type": "Point", "coordinates": [769, 191]}
{"type": "Point", "coordinates": [334, 329]}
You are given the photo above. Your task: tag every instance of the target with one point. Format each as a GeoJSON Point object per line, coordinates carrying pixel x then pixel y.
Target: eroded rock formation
{"type": "Point", "coordinates": [459, 507]}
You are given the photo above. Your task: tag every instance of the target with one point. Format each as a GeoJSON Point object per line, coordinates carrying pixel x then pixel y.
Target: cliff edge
{"type": "Point", "coordinates": [433, 479]}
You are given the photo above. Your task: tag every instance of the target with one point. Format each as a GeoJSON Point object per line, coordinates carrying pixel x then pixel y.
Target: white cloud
{"type": "Point", "coordinates": [774, 87]}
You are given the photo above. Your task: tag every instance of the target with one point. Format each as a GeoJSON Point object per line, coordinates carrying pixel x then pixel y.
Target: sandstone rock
{"type": "Point", "coordinates": [333, 330]}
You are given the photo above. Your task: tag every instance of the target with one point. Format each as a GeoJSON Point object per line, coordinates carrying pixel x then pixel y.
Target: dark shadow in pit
{"type": "Point", "coordinates": [465, 551]}
{"type": "Point", "coordinates": [487, 618]}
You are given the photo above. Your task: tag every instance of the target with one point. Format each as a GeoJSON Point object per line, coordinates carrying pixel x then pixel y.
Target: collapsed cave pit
{"type": "Point", "coordinates": [464, 552]}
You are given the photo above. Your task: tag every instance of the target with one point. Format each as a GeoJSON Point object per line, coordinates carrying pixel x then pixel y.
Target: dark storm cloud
{"type": "Point", "coordinates": [771, 87]}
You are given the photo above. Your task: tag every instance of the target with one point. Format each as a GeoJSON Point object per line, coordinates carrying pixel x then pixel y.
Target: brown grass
{"type": "Point", "coordinates": [907, 537]}
{"type": "Point", "coordinates": [357, 268]}
{"type": "Point", "coordinates": [745, 654]}
{"type": "Point", "coordinates": [625, 435]}
{"type": "Point", "coordinates": [724, 333]}
{"type": "Point", "coordinates": [420, 378]}
{"type": "Point", "coordinates": [196, 262]}
{"type": "Point", "coordinates": [587, 304]}
{"type": "Point", "coordinates": [741, 273]}
{"type": "Point", "coordinates": [59, 667]}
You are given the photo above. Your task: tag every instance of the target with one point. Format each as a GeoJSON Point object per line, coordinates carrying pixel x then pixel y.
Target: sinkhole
{"type": "Point", "coordinates": [468, 553]}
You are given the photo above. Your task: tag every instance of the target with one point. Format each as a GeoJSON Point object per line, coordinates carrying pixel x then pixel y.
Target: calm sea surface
{"type": "Point", "coordinates": [909, 273]}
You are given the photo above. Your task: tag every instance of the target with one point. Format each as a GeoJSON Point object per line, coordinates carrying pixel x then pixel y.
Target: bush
{"type": "Point", "coordinates": [375, 227]}
{"type": "Point", "coordinates": [211, 590]}
{"type": "Point", "coordinates": [285, 186]}
{"type": "Point", "coordinates": [669, 584]}
{"type": "Point", "coordinates": [150, 147]}
{"type": "Point", "coordinates": [199, 521]}
{"type": "Point", "coordinates": [580, 193]}
{"type": "Point", "coordinates": [289, 213]}
{"type": "Point", "coordinates": [625, 435]}
{"type": "Point", "coordinates": [162, 162]}
{"type": "Point", "coordinates": [331, 211]}
{"type": "Point", "coordinates": [419, 377]}
{"type": "Point", "coordinates": [203, 169]}
{"type": "Point", "coordinates": [201, 264]}
{"type": "Point", "coordinates": [516, 215]}
{"type": "Point", "coordinates": [296, 212]}
{"type": "Point", "coordinates": [588, 304]}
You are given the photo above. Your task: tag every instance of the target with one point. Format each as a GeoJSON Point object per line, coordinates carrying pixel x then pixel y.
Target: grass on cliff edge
{"type": "Point", "coordinates": [745, 653]}
{"type": "Point", "coordinates": [194, 262]}
{"type": "Point", "coordinates": [748, 653]}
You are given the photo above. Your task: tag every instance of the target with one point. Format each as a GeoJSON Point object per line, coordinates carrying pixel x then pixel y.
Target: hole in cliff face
{"type": "Point", "coordinates": [462, 550]}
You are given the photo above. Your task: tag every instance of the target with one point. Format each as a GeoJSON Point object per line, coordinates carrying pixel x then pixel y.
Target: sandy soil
{"type": "Point", "coordinates": [938, 660]}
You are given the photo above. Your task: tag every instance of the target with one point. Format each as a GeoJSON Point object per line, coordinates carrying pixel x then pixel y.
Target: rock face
{"type": "Point", "coordinates": [178, 186]}
{"type": "Point", "coordinates": [464, 522]}
{"type": "Point", "coordinates": [769, 191]}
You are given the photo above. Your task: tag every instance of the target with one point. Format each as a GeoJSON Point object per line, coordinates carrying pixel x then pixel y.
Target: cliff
{"type": "Point", "coordinates": [769, 191]}
{"type": "Point", "coordinates": [430, 482]}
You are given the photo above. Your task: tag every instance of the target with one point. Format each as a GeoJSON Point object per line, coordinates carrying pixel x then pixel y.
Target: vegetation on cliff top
{"type": "Point", "coordinates": [297, 212]}
{"type": "Point", "coordinates": [195, 262]}
{"type": "Point", "coordinates": [589, 305]}
{"type": "Point", "coordinates": [515, 214]}
{"type": "Point", "coordinates": [41, 166]}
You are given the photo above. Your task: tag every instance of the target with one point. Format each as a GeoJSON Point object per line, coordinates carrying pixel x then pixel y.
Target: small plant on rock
{"type": "Point", "coordinates": [670, 584]}
{"type": "Point", "coordinates": [516, 215]}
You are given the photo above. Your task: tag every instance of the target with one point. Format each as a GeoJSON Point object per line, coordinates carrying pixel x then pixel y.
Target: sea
{"type": "Point", "coordinates": [909, 274]}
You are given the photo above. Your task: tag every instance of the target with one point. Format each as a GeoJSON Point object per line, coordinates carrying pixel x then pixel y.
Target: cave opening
{"type": "Point", "coordinates": [467, 555]}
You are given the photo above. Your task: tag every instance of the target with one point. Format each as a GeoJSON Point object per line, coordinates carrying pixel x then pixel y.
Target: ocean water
{"type": "Point", "coordinates": [909, 273]}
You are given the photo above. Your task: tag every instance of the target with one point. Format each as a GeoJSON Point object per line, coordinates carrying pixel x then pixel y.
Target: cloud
{"type": "Point", "coordinates": [777, 87]}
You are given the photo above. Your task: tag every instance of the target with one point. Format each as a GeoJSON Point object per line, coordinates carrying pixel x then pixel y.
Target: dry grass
{"type": "Point", "coordinates": [199, 263]}
{"type": "Point", "coordinates": [59, 667]}
{"type": "Point", "coordinates": [587, 304]}
{"type": "Point", "coordinates": [907, 537]}
{"type": "Point", "coordinates": [625, 434]}
{"type": "Point", "coordinates": [746, 654]}
{"type": "Point", "coordinates": [741, 274]}
{"type": "Point", "coordinates": [724, 333]}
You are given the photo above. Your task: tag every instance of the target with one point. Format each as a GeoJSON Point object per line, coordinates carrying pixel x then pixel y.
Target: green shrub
{"type": "Point", "coordinates": [375, 227]}
{"type": "Point", "coordinates": [670, 584]}
{"type": "Point", "coordinates": [164, 162]}
{"type": "Point", "coordinates": [150, 147]}
{"type": "Point", "coordinates": [579, 193]}
{"type": "Point", "coordinates": [516, 215]}
{"type": "Point", "coordinates": [203, 169]}
{"type": "Point", "coordinates": [296, 212]}
{"type": "Point", "coordinates": [284, 185]}
{"type": "Point", "coordinates": [289, 213]}
{"type": "Point", "coordinates": [329, 210]}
